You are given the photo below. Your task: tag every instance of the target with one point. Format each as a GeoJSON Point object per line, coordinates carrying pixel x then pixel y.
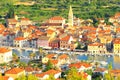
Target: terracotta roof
{"type": "Point", "coordinates": [63, 56]}
{"type": "Point", "coordinates": [50, 55]}
{"type": "Point", "coordinates": [32, 27]}
{"type": "Point", "coordinates": [51, 24]}
{"type": "Point", "coordinates": [4, 77]}
{"type": "Point", "coordinates": [57, 18]}
{"type": "Point", "coordinates": [12, 20]}
{"type": "Point", "coordinates": [2, 27]}
{"type": "Point", "coordinates": [29, 69]}
{"type": "Point", "coordinates": [79, 64]}
{"type": "Point", "coordinates": [4, 50]}
{"type": "Point", "coordinates": [14, 71]}
{"type": "Point", "coordinates": [76, 65]}
{"type": "Point", "coordinates": [96, 44]}
{"type": "Point", "coordinates": [54, 62]}
{"type": "Point", "coordinates": [66, 38]}
{"type": "Point", "coordinates": [115, 71]}
{"type": "Point", "coordinates": [25, 19]}
{"type": "Point", "coordinates": [52, 71]}
{"type": "Point", "coordinates": [38, 32]}
{"type": "Point", "coordinates": [116, 41]}
{"type": "Point", "coordinates": [100, 69]}
{"type": "Point", "coordinates": [41, 74]}
{"type": "Point", "coordinates": [19, 38]}
{"type": "Point", "coordinates": [50, 31]}
{"type": "Point", "coordinates": [117, 15]}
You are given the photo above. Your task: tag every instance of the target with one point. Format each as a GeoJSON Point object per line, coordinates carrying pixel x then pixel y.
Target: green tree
{"type": "Point", "coordinates": [22, 64]}
{"type": "Point", "coordinates": [32, 77]}
{"type": "Point", "coordinates": [32, 55]}
{"type": "Point", "coordinates": [23, 77]}
{"type": "Point", "coordinates": [41, 51]}
{"type": "Point", "coordinates": [49, 66]}
{"type": "Point", "coordinates": [108, 76]}
{"type": "Point", "coordinates": [51, 77]}
{"type": "Point", "coordinates": [96, 63]}
{"type": "Point", "coordinates": [15, 57]}
{"type": "Point", "coordinates": [74, 75]}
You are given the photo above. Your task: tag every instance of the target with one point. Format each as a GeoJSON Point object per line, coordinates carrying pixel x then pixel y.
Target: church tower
{"type": "Point", "coordinates": [70, 17]}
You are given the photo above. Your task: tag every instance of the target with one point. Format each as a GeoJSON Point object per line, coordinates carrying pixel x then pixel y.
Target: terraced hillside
{"type": "Point", "coordinates": [43, 9]}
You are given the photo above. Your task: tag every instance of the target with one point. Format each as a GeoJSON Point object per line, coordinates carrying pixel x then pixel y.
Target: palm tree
{"type": "Point", "coordinates": [41, 53]}
{"type": "Point", "coordinates": [96, 64]}
{"type": "Point", "coordinates": [22, 64]}
{"type": "Point", "coordinates": [15, 57]}
{"type": "Point", "coordinates": [32, 55]}
{"type": "Point", "coordinates": [109, 69]}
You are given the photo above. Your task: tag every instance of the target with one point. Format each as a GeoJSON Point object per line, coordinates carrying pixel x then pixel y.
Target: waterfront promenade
{"type": "Point", "coordinates": [62, 51]}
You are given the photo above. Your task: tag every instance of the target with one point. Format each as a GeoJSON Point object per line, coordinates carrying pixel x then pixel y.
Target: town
{"type": "Point", "coordinates": [53, 47]}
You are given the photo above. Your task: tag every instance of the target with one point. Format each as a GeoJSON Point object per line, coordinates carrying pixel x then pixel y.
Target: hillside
{"type": "Point", "coordinates": [43, 9]}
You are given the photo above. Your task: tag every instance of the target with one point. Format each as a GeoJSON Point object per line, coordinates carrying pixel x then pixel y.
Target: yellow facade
{"type": "Point", "coordinates": [116, 47]}
{"type": "Point", "coordinates": [96, 48]}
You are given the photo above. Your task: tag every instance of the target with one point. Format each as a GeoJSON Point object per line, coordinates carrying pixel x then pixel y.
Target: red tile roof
{"type": "Point", "coordinates": [79, 64]}
{"type": "Point", "coordinates": [66, 38]}
{"type": "Point", "coordinates": [117, 15]}
{"type": "Point", "coordinates": [100, 69]}
{"type": "Point", "coordinates": [2, 27]}
{"type": "Point", "coordinates": [25, 19]}
{"type": "Point", "coordinates": [50, 55]}
{"type": "Point", "coordinates": [38, 32]}
{"type": "Point", "coordinates": [96, 44]}
{"type": "Point", "coordinates": [63, 56]}
{"type": "Point", "coordinates": [14, 71]}
{"type": "Point", "coordinates": [29, 69]}
{"type": "Point", "coordinates": [41, 74]}
{"type": "Point", "coordinates": [54, 62]}
{"type": "Point", "coordinates": [4, 50]}
{"type": "Point", "coordinates": [57, 18]}
{"type": "Point", "coordinates": [4, 77]}
{"type": "Point", "coordinates": [52, 71]}
{"type": "Point", "coordinates": [50, 31]}
{"type": "Point", "coordinates": [19, 38]}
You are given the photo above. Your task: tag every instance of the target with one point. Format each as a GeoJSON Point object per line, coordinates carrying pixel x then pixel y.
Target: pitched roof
{"type": "Point", "coordinates": [54, 62]}
{"type": "Point", "coordinates": [14, 71]}
{"type": "Point", "coordinates": [63, 56]}
{"type": "Point", "coordinates": [57, 18]}
{"type": "Point", "coordinates": [19, 38]}
{"type": "Point", "coordinates": [50, 55]}
{"type": "Point", "coordinates": [4, 78]}
{"type": "Point", "coordinates": [25, 19]}
{"type": "Point", "coordinates": [51, 71]}
{"type": "Point", "coordinates": [4, 50]}
{"type": "Point", "coordinates": [29, 69]}
{"type": "Point", "coordinates": [66, 38]}
{"type": "Point", "coordinates": [117, 15]}
{"type": "Point", "coordinates": [38, 32]}
{"type": "Point", "coordinates": [79, 64]}
{"type": "Point", "coordinates": [41, 74]}
{"type": "Point", "coordinates": [12, 20]}
{"type": "Point", "coordinates": [100, 69]}
{"type": "Point", "coordinates": [96, 44]}
{"type": "Point", "coordinates": [50, 31]}
{"type": "Point", "coordinates": [2, 27]}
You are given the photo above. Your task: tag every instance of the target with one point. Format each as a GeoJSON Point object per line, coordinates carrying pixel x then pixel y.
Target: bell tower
{"type": "Point", "coordinates": [70, 17]}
